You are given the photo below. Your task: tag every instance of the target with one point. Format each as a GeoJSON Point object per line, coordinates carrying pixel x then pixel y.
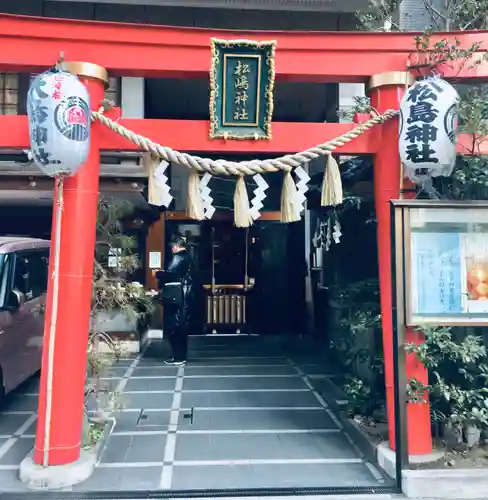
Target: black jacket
{"type": "Point", "coordinates": [180, 270]}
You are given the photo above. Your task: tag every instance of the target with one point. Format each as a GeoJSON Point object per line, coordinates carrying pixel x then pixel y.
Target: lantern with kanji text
{"type": "Point", "coordinates": [58, 108]}
{"type": "Point", "coordinates": [428, 129]}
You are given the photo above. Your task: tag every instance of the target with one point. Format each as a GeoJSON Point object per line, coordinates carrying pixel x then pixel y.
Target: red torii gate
{"type": "Point", "coordinates": [32, 44]}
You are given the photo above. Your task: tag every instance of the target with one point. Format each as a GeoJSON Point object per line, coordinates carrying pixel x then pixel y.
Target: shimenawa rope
{"type": "Point", "coordinates": [224, 167]}
{"type": "Point", "coordinates": [331, 188]}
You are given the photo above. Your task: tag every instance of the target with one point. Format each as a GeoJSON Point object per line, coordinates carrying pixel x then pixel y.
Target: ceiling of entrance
{"type": "Point", "coordinates": [289, 5]}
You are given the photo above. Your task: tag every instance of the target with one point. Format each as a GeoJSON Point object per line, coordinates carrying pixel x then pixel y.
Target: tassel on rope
{"type": "Point", "coordinates": [194, 206]}
{"type": "Point", "coordinates": [289, 199]}
{"type": "Point", "coordinates": [150, 167]}
{"type": "Point", "coordinates": [332, 194]}
{"type": "Point", "coordinates": [242, 213]}
{"type": "Point", "coordinates": [158, 190]}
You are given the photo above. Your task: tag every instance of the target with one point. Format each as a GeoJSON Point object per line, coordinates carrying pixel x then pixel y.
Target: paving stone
{"type": "Point", "coordinates": [20, 402]}
{"type": "Point", "coordinates": [150, 384]}
{"type": "Point", "coordinates": [155, 420]}
{"type": "Point", "coordinates": [239, 370]}
{"type": "Point", "coordinates": [237, 361]}
{"type": "Point", "coordinates": [249, 399]}
{"type": "Point", "coordinates": [258, 420]}
{"type": "Point", "coordinates": [31, 430]}
{"type": "Point", "coordinates": [9, 482]}
{"type": "Point", "coordinates": [149, 401]}
{"type": "Point", "coordinates": [152, 362]}
{"type": "Point", "coordinates": [262, 446]}
{"type": "Point", "coordinates": [11, 423]}
{"type": "Point", "coordinates": [327, 389]}
{"type": "Point", "coordinates": [126, 421]}
{"type": "Point", "coordinates": [271, 476]}
{"type": "Point", "coordinates": [240, 383]}
{"type": "Point", "coordinates": [313, 369]}
{"type": "Point", "coordinates": [155, 371]}
{"type": "Point", "coordinates": [217, 357]}
{"type": "Point", "coordinates": [245, 354]}
{"type": "Point", "coordinates": [126, 449]}
{"type": "Point", "coordinates": [157, 351]}
{"type": "Point", "coordinates": [17, 452]}
{"type": "Point", "coordinates": [122, 478]}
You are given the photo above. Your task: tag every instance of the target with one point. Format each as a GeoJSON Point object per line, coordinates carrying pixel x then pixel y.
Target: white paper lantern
{"type": "Point", "coordinates": [428, 129]}
{"type": "Point", "coordinates": [58, 107]}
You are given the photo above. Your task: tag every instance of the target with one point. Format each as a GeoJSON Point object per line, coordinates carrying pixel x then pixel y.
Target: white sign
{"type": "Point", "coordinates": [114, 257]}
{"type": "Point", "coordinates": [154, 260]}
{"type": "Point", "coordinates": [58, 107]}
{"type": "Point", "coordinates": [428, 129]}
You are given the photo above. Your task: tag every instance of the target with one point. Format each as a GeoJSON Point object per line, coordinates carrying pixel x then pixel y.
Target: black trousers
{"type": "Point", "coordinates": [176, 329]}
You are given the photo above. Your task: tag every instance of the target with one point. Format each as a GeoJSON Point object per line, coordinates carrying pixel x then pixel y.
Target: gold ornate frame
{"type": "Point", "coordinates": [216, 44]}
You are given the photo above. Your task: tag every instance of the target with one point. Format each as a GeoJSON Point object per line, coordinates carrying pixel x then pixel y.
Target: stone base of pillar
{"type": "Point", "coordinates": [448, 484]}
{"type": "Point", "coordinates": [58, 477]}
{"type": "Point", "coordinates": [387, 458]}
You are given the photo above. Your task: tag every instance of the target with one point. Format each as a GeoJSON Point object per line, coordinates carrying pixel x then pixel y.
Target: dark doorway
{"type": "Point", "coordinates": [253, 279]}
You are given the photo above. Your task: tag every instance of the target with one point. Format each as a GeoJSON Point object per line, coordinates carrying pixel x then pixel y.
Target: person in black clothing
{"type": "Point", "coordinates": [177, 285]}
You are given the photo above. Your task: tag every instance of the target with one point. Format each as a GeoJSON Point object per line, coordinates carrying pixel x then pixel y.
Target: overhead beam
{"type": "Point", "coordinates": [160, 51]}
{"type": "Point", "coordinates": [192, 136]}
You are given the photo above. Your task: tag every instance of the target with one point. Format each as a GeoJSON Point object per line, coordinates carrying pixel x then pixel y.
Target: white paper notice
{"type": "Point", "coordinates": [154, 260]}
{"type": "Point", "coordinates": [114, 257]}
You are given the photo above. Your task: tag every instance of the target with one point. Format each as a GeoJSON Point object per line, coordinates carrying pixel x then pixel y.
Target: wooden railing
{"type": "Point", "coordinates": [226, 308]}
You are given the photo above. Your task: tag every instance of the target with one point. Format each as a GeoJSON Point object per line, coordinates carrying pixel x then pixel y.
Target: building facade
{"type": "Point", "coordinates": [167, 98]}
{"type": "Point", "coordinates": [160, 79]}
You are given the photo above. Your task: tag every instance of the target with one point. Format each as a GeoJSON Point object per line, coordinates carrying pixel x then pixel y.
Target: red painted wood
{"type": "Point", "coordinates": [387, 175]}
{"type": "Point", "coordinates": [192, 135]}
{"type": "Point", "coordinates": [146, 50]}
{"type": "Point", "coordinates": [78, 224]}
{"type": "Point", "coordinates": [31, 44]}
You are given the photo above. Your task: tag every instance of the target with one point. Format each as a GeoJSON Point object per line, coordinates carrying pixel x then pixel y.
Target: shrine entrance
{"type": "Point", "coordinates": [273, 420]}
{"type": "Point", "coordinates": [251, 279]}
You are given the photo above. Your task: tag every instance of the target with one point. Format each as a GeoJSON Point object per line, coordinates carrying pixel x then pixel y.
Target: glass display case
{"type": "Point", "coordinates": [445, 261]}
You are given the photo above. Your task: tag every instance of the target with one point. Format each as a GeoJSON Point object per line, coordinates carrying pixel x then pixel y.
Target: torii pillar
{"type": "Point", "coordinates": [61, 406]}
{"type": "Point", "coordinates": [386, 92]}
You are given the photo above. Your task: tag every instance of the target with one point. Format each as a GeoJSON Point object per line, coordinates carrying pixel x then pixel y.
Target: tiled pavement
{"type": "Point", "coordinates": [243, 413]}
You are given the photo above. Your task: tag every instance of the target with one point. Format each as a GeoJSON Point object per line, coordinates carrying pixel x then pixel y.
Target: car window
{"type": "Point", "coordinates": [30, 274]}
{"type": "Point", "coordinates": [6, 262]}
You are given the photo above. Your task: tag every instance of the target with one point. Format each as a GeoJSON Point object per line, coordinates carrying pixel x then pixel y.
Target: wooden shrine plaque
{"type": "Point", "coordinates": [241, 89]}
